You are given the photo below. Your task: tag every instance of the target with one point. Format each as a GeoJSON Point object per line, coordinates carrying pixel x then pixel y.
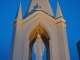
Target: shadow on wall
{"type": "Point", "coordinates": [78, 47]}
{"type": "Point", "coordinates": [32, 11]}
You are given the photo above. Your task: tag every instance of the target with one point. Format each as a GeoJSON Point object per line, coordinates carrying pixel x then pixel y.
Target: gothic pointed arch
{"type": "Point", "coordinates": [39, 28]}
{"type": "Point", "coordinates": [36, 24]}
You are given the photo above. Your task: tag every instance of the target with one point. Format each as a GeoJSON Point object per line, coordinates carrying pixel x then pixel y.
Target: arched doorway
{"type": "Point", "coordinates": [45, 37]}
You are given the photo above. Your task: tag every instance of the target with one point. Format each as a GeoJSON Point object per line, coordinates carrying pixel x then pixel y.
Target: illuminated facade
{"type": "Point", "coordinates": [39, 19]}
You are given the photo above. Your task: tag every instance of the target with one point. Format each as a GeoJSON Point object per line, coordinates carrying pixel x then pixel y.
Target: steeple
{"type": "Point", "coordinates": [19, 12]}
{"type": "Point", "coordinates": [59, 13]}
{"type": "Point", "coordinates": [43, 4]}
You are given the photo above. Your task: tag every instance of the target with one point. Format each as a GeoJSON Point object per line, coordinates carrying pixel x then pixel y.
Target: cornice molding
{"type": "Point", "coordinates": [39, 12]}
{"type": "Point", "coordinates": [44, 16]}
{"type": "Point", "coordinates": [60, 20]}
{"type": "Point", "coordinates": [18, 19]}
{"type": "Point", "coordinates": [61, 24]}
{"type": "Point", "coordinates": [17, 25]}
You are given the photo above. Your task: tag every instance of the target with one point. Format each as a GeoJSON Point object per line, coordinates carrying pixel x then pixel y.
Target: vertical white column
{"type": "Point", "coordinates": [63, 44]}
{"type": "Point", "coordinates": [17, 48]}
{"type": "Point", "coordinates": [26, 50]}
{"type": "Point", "coordinates": [50, 45]}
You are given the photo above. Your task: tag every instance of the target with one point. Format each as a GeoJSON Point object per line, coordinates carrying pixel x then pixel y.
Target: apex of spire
{"type": "Point", "coordinates": [20, 11]}
{"type": "Point", "coordinates": [59, 13]}
{"type": "Point", "coordinates": [43, 4]}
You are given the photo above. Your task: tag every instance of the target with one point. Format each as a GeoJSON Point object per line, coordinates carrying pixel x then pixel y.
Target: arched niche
{"type": "Point", "coordinates": [39, 28]}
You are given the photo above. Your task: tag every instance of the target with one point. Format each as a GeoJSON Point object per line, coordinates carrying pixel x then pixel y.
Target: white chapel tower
{"type": "Point", "coordinates": [39, 19]}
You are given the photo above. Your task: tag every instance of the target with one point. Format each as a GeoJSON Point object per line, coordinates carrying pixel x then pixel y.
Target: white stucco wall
{"type": "Point", "coordinates": [57, 34]}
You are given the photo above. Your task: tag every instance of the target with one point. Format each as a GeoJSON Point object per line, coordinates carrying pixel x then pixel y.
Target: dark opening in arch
{"type": "Point", "coordinates": [45, 37]}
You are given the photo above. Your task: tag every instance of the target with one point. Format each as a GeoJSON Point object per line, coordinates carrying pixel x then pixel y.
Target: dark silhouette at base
{"type": "Point", "coordinates": [78, 47]}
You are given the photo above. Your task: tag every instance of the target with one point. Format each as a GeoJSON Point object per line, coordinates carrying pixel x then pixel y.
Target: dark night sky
{"type": "Point", "coordinates": [71, 13]}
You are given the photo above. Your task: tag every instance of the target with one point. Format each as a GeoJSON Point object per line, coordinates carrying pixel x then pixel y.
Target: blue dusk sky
{"type": "Point", "coordinates": [71, 13]}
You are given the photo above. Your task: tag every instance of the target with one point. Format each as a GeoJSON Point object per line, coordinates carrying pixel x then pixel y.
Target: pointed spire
{"type": "Point", "coordinates": [59, 13]}
{"type": "Point", "coordinates": [20, 12]}
{"type": "Point", "coordinates": [44, 4]}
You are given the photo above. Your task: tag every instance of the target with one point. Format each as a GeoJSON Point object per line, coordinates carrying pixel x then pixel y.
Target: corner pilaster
{"type": "Point", "coordinates": [26, 50]}
{"type": "Point", "coordinates": [17, 43]}
{"type": "Point", "coordinates": [62, 40]}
